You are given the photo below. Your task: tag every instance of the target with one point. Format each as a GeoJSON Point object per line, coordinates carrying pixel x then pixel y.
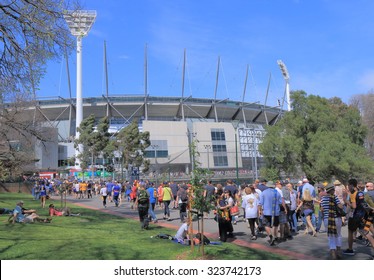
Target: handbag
{"type": "Point", "coordinates": [234, 211]}
{"type": "Point", "coordinates": [340, 212]}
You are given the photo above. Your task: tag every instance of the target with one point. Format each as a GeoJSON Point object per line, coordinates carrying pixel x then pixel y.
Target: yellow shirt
{"type": "Point", "coordinates": [167, 194]}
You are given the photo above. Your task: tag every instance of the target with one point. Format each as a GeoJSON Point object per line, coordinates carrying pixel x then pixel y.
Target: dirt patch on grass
{"type": "Point", "coordinates": [194, 256]}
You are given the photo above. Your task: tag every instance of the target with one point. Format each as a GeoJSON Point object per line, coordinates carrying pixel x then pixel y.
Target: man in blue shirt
{"type": "Point", "coordinates": [269, 207]}
{"type": "Point", "coordinates": [262, 186]}
{"type": "Point", "coordinates": [152, 200]}
{"type": "Point", "coordinates": [109, 188]}
{"type": "Point", "coordinates": [116, 190]}
{"type": "Point", "coordinates": [26, 216]}
{"type": "Point", "coordinates": [305, 186]}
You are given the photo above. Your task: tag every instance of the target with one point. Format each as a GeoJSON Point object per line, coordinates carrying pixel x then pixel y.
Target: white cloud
{"type": "Point", "coordinates": [366, 81]}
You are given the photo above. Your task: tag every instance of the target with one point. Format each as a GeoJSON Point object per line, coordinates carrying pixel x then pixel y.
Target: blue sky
{"type": "Point", "coordinates": [326, 45]}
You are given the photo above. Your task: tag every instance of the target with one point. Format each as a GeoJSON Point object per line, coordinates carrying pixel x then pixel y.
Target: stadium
{"type": "Point", "coordinates": [227, 132]}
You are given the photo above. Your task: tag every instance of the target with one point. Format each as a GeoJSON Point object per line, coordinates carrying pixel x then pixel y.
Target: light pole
{"type": "Point", "coordinates": [208, 147]}
{"type": "Point", "coordinates": [154, 147]}
{"type": "Point", "coordinates": [236, 125]}
{"type": "Point", "coordinates": [254, 154]}
{"type": "Point", "coordinates": [80, 23]}
{"type": "Point", "coordinates": [169, 157]}
{"type": "Point", "coordinates": [286, 77]}
{"type": "Point", "coordinates": [192, 148]}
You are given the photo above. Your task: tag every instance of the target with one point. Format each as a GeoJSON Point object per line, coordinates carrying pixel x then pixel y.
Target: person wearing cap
{"type": "Point", "coordinates": [269, 207]}
{"type": "Point", "coordinates": [20, 216]}
{"type": "Point", "coordinates": [332, 221]}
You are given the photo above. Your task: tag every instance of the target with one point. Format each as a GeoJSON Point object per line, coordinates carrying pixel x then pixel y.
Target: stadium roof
{"type": "Point", "coordinates": [159, 108]}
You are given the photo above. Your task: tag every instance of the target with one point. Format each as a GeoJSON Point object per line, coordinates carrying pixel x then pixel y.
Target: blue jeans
{"type": "Point", "coordinates": [293, 220]}
{"type": "Point", "coordinates": [166, 208]}
{"type": "Point", "coordinates": [151, 211]}
{"type": "Point", "coordinates": [320, 221]}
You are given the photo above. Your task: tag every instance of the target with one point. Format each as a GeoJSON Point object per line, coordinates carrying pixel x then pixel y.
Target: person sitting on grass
{"type": "Point", "coordinates": [26, 216]}
{"type": "Point", "coordinates": [182, 234]}
{"type": "Point", "coordinates": [60, 212]}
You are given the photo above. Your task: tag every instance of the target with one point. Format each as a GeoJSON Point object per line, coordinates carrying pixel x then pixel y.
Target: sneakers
{"type": "Point", "coordinates": [254, 237]}
{"type": "Point", "coordinates": [271, 240]}
{"type": "Point", "coordinates": [349, 252]}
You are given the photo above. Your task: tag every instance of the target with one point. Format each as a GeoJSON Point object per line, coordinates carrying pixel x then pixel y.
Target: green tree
{"type": "Point", "coordinates": [31, 32]}
{"type": "Point", "coordinates": [94, 140]}
{"type": "Point", "coordinates": [131, 143]}
{"type": "Point", "coordinates": [197, 201]}
{"type": "Point", "coordinates": [320, 138]}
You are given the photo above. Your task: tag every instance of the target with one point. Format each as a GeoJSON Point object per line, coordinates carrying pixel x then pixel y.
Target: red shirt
{"type": "Point", "coordinates": [54, 212]}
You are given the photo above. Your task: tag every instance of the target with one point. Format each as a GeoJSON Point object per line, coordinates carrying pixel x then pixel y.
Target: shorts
{"type": "Point", "coordinates": [27, 219]}
{"type": "Point", "coordinates": [308, 212]}
{"type": "Point", "coordinates": [355, 223]}
{"type": "Point", "coordinates": [268, 219]}
{"type": "Point", "coordinates": [282, 217]}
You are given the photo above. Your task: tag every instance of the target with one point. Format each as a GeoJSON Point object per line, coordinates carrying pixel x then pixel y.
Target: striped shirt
{"type": "Point", "coordinates": [325, 204]}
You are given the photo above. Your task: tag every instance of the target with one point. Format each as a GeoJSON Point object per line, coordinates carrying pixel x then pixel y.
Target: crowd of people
{"type": "Point", "coordinates": [276, 211]}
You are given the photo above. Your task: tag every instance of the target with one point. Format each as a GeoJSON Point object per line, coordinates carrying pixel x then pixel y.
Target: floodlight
{"type": "Point", "coordinates": [283, 69]}
{"type": "Point", "coordinates": [80, 23]}
{"type": "Point", "coordinates": [286, 77]}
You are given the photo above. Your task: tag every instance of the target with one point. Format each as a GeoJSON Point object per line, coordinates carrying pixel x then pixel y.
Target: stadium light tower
{"type": "Point", "coordinates": [80, 23]}
{"type": "Point", "coordinates": [286, 77]}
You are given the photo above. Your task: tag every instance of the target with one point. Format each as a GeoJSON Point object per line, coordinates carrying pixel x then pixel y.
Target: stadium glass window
{"type": "Point", "coordinates": [157, 149]}
{"type": "Point", "coordinates": [218, 135]}
{"type": "Point", "coordinates": [219, 147]}
{"type": "Point", "coordinates": [220, 161]}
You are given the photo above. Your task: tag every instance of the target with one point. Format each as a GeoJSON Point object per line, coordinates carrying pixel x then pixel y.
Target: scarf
{"type": "Point", "coordinates": [331, 228]}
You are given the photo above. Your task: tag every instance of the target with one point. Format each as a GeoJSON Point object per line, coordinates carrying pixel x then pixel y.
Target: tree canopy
{"type": "Point", "coordinates": [31, 33]}
{"type": "Point", "coordinates": [319, 138]}
{"type": "Point", "coordinates": [132, 144]}
{"type": "Point", "coordinates": [94, 139]}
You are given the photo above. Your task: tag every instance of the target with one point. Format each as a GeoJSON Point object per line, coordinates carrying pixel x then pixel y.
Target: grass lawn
{"type": "Point", "coordinates": [99, 236]}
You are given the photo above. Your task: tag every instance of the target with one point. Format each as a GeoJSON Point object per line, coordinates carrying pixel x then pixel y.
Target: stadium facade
{"type": "Point", "coordinates": [227, 132]}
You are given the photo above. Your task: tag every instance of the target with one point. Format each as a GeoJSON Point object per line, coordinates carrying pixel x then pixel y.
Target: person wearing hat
{"type": "Point", "coordinates": [341, 193]}
{"type": "Point", "coordinates": [269, 207]}
{"type": "Point", "coordinates": [332, 221]}
{"type": "Point", "coordinates": [20, 216]}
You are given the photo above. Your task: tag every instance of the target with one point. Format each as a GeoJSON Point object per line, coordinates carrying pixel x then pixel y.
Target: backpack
{"type": "Point", "coordinates": [206, 241]}
{"type": "Point", "coordinates": [143, 197]}
{"type": "Point", "coordinates": [183, 196]}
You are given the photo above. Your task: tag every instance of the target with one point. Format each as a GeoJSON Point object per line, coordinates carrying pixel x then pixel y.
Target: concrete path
{"type": "Point", "coordinates": [302, 247]}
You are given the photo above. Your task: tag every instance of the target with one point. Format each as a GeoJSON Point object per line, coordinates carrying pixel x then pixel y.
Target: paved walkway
{"type": "Point", "coordinates": [302, 247]}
